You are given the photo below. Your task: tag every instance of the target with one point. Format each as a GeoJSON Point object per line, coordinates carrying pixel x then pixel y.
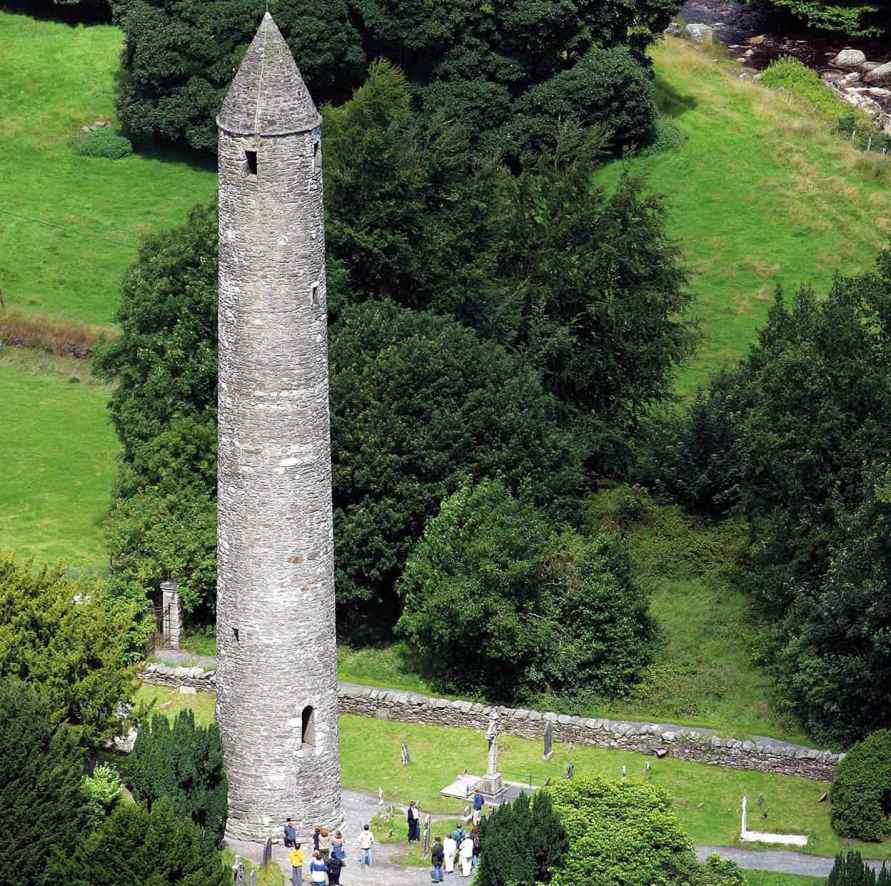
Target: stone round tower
{"type": "Point", "coordinates": [276, 679]}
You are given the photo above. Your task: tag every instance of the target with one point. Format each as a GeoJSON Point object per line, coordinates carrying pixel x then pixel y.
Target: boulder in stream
{"type": "Point", "coordinates": [849, 58]}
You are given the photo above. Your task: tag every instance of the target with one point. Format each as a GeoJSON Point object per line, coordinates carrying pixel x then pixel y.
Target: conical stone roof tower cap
{"type": "Point", "coordinates": [268, 95]}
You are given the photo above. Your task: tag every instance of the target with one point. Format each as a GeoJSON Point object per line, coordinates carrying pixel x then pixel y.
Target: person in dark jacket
{"type": "Point", "coordinates": [290, 834]}
{"type": "Point", "coordinates": [414, 822]}
{"type": "Point", "coordinates": [335, 866]}
{"type": "Point", "coordinates": [437, 856]}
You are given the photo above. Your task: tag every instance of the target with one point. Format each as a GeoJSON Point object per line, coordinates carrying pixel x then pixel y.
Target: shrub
{"type": "Point", "coordinates": [104, 142]}
{"type": "Point", "coordinates": [135, 845]}
{"type": "Point", "coordinates": [496, 601]}
{"type": "Point", "coordinates": [851, 870]}
{"type": "Point", "coordinates": [606, 87]}
{"type": "Point", "coordinates": [63, 635]}
{"type": "Point", "coordinates": [524, 841]}
{"type": "Point", "coordinates": [182, 764]}
{"type": "Point", "coordinates": [101, 790]}
{"type": "Point", "coordinates": [621, 834]}
{"type": "Point", "coordinates": [861, 790]}
{"type": "Point", "coordinates": [42, 807]}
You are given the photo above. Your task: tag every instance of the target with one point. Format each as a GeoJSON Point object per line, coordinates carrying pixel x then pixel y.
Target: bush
{"type": "Point", "coordinates": [524, 841]}
{"type": "Point", "coordinates": [135, 845]}
{"type": "Point", "coordinates": [63, 636]}
{"type": "Point", "coordinates": [42, 808]}
{"type": "Point", "coordinates": [851, 870]}
{"type": "Point", "coordinates": [608, 88]}
{"type": "Point", "coordinates": [861, 790]}
{"type": "Point", "coordinates": [792, 75]}
{"type": "Point", "coordinates": [102, 142]}
{"type": "Point", "coordinates": [182, 764]}
{"type": "Point", "coordinates": [496, 601]}
{"type": "Point", "coordinates": [852, 18]}
{"type": "Point", "coordinates": [621, 834]}
{"type": "Point", "coordinates": [102, 791]}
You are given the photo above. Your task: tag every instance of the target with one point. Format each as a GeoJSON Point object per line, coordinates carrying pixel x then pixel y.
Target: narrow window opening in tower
{"type": "Point", "coordinates": [235, 632]}
{"type": "Point", "coordinates": [316, 150]}
{"type": "Point", "coordinates": [316, 298]}
{"type": "Point", "coordinates": [250, 159]}
{"type": "Point", "coordinates": [308, 731]}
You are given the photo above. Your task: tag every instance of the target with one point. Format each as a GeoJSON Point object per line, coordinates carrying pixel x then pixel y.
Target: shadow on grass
{"type": "Point", "coordinates": [671, 102]}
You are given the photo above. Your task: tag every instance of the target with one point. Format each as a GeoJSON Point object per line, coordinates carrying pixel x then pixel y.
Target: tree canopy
{"type": "Point", "coordinates": [180, 56]}
{"type": "Point", "coordinates": [42, 808]}
{"type": "Point", "coordinates": [62, 635]}
{"type": "Point", "coordinates": [497, 600]}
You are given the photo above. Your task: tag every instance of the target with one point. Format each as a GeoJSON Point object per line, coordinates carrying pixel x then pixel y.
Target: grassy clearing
{"type": "Point", "coordinates": [59, 454]}
{"type": "Point", "coordinates": [70, 225]}
{"type": "Point", "coordinates": [760, 193]}
{"type": "Point", "coordinates": [706, 797]}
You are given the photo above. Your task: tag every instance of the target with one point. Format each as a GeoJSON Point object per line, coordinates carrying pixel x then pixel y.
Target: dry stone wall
{"type": "Point", "coordinates": [658, 739]}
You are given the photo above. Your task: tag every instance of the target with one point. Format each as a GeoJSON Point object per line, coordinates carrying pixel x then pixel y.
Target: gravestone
{"type": "Point", "coordinates": [427, 821]}
{"type": "Point", "coordinates": [267, 852]}
{"type": "Point", "coordinates": [238, 871]}
{"type": "Point", "coordinates": [254, 877]}
{"type": "Point", "coordinates": [380, 798]}
{"type": "Point", "coordinates": [570, 769]}
{"type": "Point", "coordinates": [406, 757]}
{"type": "Point", "coordinates": [548, 740]}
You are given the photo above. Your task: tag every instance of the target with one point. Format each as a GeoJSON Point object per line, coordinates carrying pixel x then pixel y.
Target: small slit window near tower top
{"type": "Point", "coordinates": [250, 161]}
{"type": "Point", "coordinates": [316, 150]}
{"type": "Point", "coordinates": [316, 298]}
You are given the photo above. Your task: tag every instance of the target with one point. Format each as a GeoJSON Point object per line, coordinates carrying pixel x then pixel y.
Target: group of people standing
{"type": "Point", "coordinates": [328, 855]}
{"type": "Point", "coordinates": [462, 846]}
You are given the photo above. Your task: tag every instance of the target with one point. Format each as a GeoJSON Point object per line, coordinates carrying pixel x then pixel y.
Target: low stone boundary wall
{"type": "Point", "coordinates": [658, 739]}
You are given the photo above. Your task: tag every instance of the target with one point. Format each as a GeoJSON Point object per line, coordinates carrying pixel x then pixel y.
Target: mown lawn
{"type": "Point", "coordinates": [70, 225]}
{"type": "Point", "coordinates": [762, 878]}
{"type": "Point", "coordinates": [707, 798]}
{"type": "Point", "coordinates": [58, 453]}
{"type": "Point", "coordinates": [759, 194]}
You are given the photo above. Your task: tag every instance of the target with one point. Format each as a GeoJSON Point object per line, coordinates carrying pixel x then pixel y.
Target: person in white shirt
{"type": "Point", "coordinates": [465, 853]}
{"type": "Point", "coordinates": [449, 847]}
{"type": "Point", "coordinates": [366, 842]}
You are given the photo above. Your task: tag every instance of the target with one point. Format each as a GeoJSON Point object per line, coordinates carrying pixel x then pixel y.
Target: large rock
{"type": "Point", "coordinates": [881, 74]}
{"type": "Point", "coordinates": [700, 33]}
{"type": "Point", "coordinates": [849, 58]}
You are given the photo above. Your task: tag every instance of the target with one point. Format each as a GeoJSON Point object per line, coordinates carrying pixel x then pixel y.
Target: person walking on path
{"type": "Point", "coordinates": [437, 856]}
{"type": "Point", "coordinates": [478, 803]}
{"type": "Point", "coordinates": [366, 842]}
{"type": "Point", "coordinates": [414, 822]}
{"type": "Point", "coordinates": [335, 866]}
{"type": "Point", "coordinates": [465, 853]}
{"type": "Point", "coordinates": [475, 837]}
{"type": "Point", "coordinates": [324, 843]}
{"type": "Point", "coordinates": [338, 850]}
{"type": "Point", "coordinates": [295, 857]}
{"type": "Point", "coordinates": [290, 834]}
{"type": "Point", "coordinates": [449, 848]}
{"type": "Point", "coordinates": [318, 870]}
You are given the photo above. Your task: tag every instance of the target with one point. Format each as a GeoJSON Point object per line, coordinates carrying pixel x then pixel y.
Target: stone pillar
{"type": "Point", "coordinates": [172, 614]}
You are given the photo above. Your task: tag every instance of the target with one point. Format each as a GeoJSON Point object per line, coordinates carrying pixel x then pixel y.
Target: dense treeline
{"type": "Point", "coordinates": [510, 71]}
{"type": "Point", "coordinates": [851, 17]}
{"type": "Point", "coordinates": [797, 438]}
{"type": "Point", "coordinates": [483, 325]}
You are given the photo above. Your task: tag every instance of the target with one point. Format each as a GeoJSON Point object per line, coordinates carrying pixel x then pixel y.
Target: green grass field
{"type": "Point", "coordinates": [59, 453]}
{"type": "Point", "coordinates": [70, 225]}
{"type": "Point", "coordinates": [760, 194]}
{"type": "Point", "coordinates": [707, 798]}
{"type": "Point", "coordinates": [760, 878]}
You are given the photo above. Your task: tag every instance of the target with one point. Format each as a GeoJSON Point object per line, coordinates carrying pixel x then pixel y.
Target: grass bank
{"type": "Point", "coordinates": [70, 225]}
{"type": "Point", "coordinates": [59, 453]}
{"type": "Point", "coordinates": [706, 797]}
{"type": "Point", "coordinates": [760, 193]}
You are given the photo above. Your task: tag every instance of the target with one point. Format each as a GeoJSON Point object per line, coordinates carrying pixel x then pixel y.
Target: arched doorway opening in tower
{"type": "Point", "coordinates": [308, 727]}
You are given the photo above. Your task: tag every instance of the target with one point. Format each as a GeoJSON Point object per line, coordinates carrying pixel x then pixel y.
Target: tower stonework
{"type": "Point", "coordinates": [276, 679]}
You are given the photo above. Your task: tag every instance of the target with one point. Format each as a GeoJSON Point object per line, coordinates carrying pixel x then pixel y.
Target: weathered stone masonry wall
{"type": "Point", "coordinates": [660, 739]}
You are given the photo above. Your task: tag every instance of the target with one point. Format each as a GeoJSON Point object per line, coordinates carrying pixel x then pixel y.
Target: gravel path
{"type": "Point", "coordinates": [780, 861]}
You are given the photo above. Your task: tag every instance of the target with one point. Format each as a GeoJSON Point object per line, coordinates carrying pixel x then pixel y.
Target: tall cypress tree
{"type": "Point", "coordinates": [42, 809]}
